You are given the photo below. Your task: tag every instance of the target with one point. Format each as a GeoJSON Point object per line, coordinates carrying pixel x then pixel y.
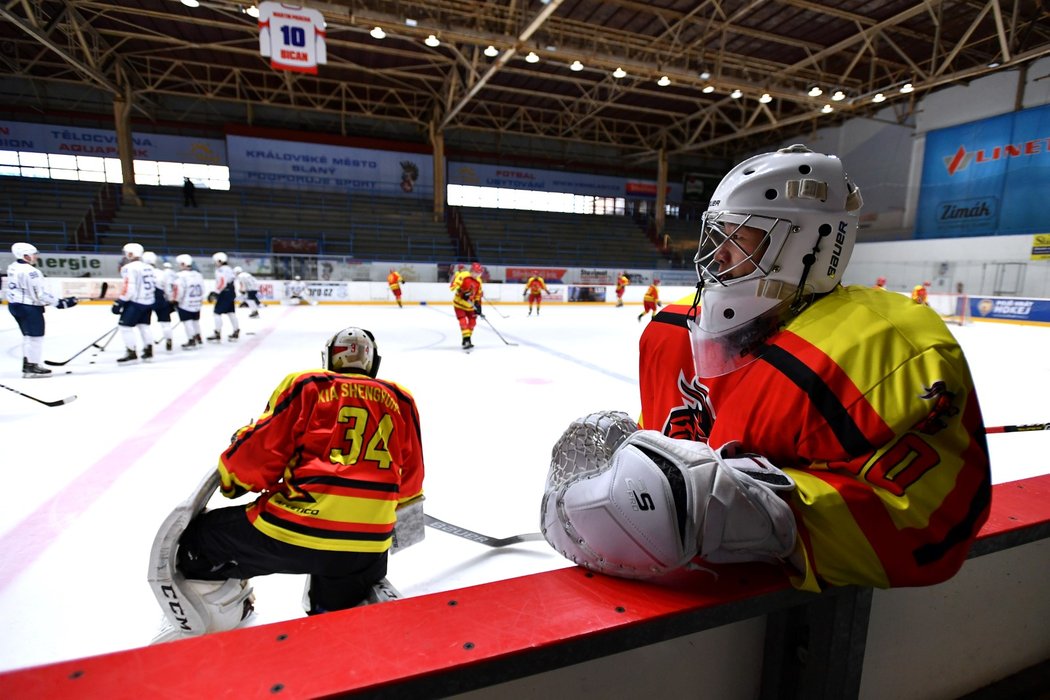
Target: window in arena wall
{"type": "Point", "coordinates": [531, 200]}
{"type": "Point", "coordinates": [57, 166]}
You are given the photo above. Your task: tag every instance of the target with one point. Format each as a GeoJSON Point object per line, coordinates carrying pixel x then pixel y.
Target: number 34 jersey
{"type": "Point", "coordinates": [867, 401]}
{"type": "Point", "coordinates": [333, 454]}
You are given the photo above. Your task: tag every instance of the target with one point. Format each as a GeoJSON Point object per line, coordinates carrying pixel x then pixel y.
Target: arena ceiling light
{"type": "Point", "coordinates": [906, 88]}
{"type": "Point", "coordinates": [491, 51]}
{"type": "Point", "coordinates": [252, 11]}
{"type": "Point", "coordinates": [664, 81]}
{"type": "Point", "coordinates": [705, 75]}
{"type": "Point", "coordinates": [839, 96]}
{"type": "Point", "coordinates": [708, 89]}
{"type": "Point", "coordinates": [432, 41]}
{"type": "Point", "coordinates": [190, 3]}
{"type": "Point", "coordinates": [619, 73]}
{"type": "Point", "coordinates": [879, 97]}
{"type": "Point", "coordinates": [576, 66]}
{"type": "Point", "coordinates": [532, 57]}
{"type": "Point", "coordinates": [827, 109]}
{"type": "Point", "coordinates": [765, 99]}
{"type": "Point", "coordinates": [736, 94]}
{"type": "Point", "coordinates": [377, 33]}
{"type": "Point", "coordinates": [815, 91]}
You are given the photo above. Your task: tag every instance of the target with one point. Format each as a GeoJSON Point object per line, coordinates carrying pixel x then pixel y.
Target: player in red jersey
{"type": "Point", "coordinates": [466, 301]}
{"type": "Point", "coordinates": [394, 280]}
{"type": "Point", "coordinates": [788, 419]}
{"type": "Point", "coordinates": [919, 293]}
{"type": "Point", "coordinates": [535, 288]}
{"type": "Point", "coordinates": [335, 457]}
{"type": "Point", "coordinates": [880, 283]}
{"type": "Point", "coordinates": [651, 300]}
{"type": "Point", "coordinates": [621, 284]}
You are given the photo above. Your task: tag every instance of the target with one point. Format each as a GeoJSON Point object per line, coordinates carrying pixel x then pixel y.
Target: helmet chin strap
{"type": "Point", "coordinates": [808, 260]}
{"type": "Point", "coordinates": [694, 309]}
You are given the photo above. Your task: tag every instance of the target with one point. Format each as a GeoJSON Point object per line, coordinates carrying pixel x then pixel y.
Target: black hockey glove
{"type": "Point", "coordinates": [477, 309]}
{"type": "Point", "coordinates": [118, 307]}
{"type": "Point", "coordinates": [67, 303]}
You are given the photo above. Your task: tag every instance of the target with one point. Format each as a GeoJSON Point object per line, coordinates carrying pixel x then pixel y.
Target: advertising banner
{"type": "Point", "coordinates": [102, 143]}
{"type": "Point", "coordinates": [984, 178]}
{"type": "Point", "coordinates": [1010, 309]}
{"type": "Point", "coordinates": [301, 165]}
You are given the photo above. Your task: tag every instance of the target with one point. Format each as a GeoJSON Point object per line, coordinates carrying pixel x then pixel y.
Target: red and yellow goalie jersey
{"type": "Point", "coordinates": [884, 438]}
{"type": "Point", "coordinates": [323, 488]}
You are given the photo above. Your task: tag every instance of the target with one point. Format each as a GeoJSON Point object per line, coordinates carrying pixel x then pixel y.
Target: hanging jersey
{"type": "Point", "coordinates": [138, 284]}
{"type": "Point", "coordinates": [862, 419]}
{"type": "Point", "coordinates": [333, 454]}
{"type": "Point", "coordinates": [188, 290]}
{"type": "Point", "coordinates": [25, 285]}
{"type": "Point", "coordinates": [292, 36]}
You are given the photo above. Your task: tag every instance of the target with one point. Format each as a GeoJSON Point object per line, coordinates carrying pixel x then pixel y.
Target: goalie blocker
{"type": "Point", "coordinates": [194, 607]}
{"type": "Point", "coordinates": [638, 504]}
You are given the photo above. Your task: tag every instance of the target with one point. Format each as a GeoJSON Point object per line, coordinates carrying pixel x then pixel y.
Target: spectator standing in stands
{"type": "Point", "coordinates": [226, 299]}
{"type": "Point", "coordinates": [189, 193]}
{"type": "Point", "coordinates": [651, 300]}
{"type": "Point", "coordinates": [834, 431]}
{"type": "Point", "coordinates": [621, 284]}
{"type": "Point", "coordinates": [248, 289]}
{"type": "Point", "coordinates": [919, 293]}
{"type": "Point", "coordinates": [535, 288]}
{"type": "Point", "coordinates": [394, 280]}
{"type": "Point", "coordinates": [26, 298]}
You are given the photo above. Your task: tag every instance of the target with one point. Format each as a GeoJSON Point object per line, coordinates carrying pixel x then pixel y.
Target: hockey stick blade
{"type": "Point", "coordinates": [486, 540]}
{"type": "Point", "coordinates": [52, 404]}
{"type": "Point", "coordinates": [1018, 428]}
{"type": "Point", "coordinates": [94, 344]}
{"type": "Point", "coordinates": [484, 318]}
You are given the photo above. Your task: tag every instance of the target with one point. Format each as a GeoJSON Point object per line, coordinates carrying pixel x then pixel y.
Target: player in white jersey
{"type": "Point", "coordinates": [292, 36]}
{"type": "Point", "coordinates": [188, 293]}
{"type": "Point", "coordinates": [225, 302]}
{"type": "Point", "coordinates": [296, 291]}
{"type": "Point", "coordinates": [162, 306]}
{"type": "Point", "coordinates": [26, 298]}
{"type": "Point", "coordinates": [248, 289]}
{"type": "Point", "coordinates": [135, 303]}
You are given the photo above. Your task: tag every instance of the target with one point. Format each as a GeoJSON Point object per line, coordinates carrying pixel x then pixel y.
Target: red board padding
{"type": "Point", "coordinates": [380, 645]}
{"type": "Point", "coordinates": [1017, 505]}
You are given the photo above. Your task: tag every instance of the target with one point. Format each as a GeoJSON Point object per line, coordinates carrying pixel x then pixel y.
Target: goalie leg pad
{"type": "Point", "coordinates": [193, 607]}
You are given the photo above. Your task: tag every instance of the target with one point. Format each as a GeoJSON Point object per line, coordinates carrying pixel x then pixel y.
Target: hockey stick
{"type": "Point", "coordinates": [1018, 428]}
{"type": "Point", "coordinates": [485, 318]}
{"type": "Point", "coordinates": [478, 537]}
{"type": "Point", "coordinates": [60, 402]}
{"type": "Point", "coordinates": [157, 341]}
{"type": "Point", "coordinates": [102, 292]}
{"type": "Point", "coordinates": [498, 312]}
{"type": "Point", "coordinates": [94, 344]}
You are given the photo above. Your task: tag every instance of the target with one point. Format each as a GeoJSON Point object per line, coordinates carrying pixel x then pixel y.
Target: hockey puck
{"type": "Point", "coordinates": [92, 362]}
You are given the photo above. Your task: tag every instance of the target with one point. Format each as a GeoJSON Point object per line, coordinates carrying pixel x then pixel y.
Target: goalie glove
{"type": "Point", "coordinates": [657, 502]}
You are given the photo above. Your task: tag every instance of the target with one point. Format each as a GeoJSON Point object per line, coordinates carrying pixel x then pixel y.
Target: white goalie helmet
{"type": "Point", "coordinates": [150, 258]}
{"type": "Point", "coordinates": [21, 250]}
{"type": "Point", "coordinates": [219, 258]}
{"type": "Point", "coordinates": [801, 208]}
{"type": "Point", "coordinates": [133, 251]}
{"type": "Point", "coordinates": [351, 350]}
{"type": "Point", "coordinates": [184, 260]}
